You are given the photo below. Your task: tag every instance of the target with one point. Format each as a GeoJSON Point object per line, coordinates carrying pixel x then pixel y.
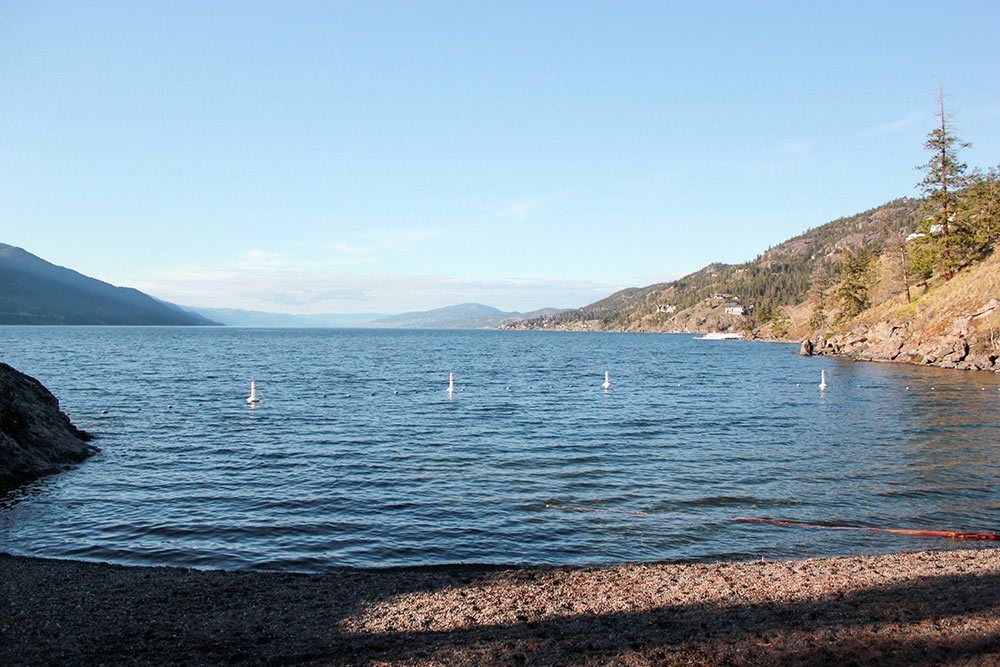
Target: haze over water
{"type": "Point", "coordinates": [357, 457]}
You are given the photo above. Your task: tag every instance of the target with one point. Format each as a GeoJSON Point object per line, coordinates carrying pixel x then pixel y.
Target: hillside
{"type": "Point", "coordinates": [855, 287]}
{"type": "Point", "coordinates": [461, 316]}
{"type": "Point", "coordinates": [33, 291]}
{"type": "Point", "coordinates": [950, 323]}
{"type": "Point", "coordinates": [780, 276]}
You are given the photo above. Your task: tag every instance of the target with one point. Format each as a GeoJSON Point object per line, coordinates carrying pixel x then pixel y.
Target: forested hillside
{"type": "Point", "coordinates": [911, 280]}
{"type": "Point", "coordinates": [781, 276]}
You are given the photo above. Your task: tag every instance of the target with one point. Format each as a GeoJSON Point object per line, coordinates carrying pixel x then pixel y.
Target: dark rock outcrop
{"type": "Point", "coordinates": [36, 437]}
{"type": "Point", "coordinates": [806, 349]}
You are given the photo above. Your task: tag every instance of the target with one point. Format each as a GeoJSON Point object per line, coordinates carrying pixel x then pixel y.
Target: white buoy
{"type": "Point", "coordinates": [607, 381]}
{"type": "Point", "coordinates": [253, 398]}
{"type": "Point", "coordinates": [451, 383]}
{"type": "Point", "coordinates": [822, 380]}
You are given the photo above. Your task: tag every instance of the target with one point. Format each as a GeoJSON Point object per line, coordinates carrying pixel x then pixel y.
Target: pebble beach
{"type": "Point", "coordinates": [918, 608]}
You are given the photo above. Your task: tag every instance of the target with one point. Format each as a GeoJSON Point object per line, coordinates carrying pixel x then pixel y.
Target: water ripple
{"type": "Point", "coordinates": [357, 456]}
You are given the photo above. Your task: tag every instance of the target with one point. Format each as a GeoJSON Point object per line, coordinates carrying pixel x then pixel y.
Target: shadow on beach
{"type": "Point", "coordinates": [869, 609]}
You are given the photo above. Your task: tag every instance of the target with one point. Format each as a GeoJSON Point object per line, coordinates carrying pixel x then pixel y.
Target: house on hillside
{"type": "Point", "coordinates": [734, 309]}
{"type": "Point", "coordinates": [666, 308]}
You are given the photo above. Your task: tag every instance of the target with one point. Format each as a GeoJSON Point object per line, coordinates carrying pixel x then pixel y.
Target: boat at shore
{"type": "Point", "coordinates": [715, 335]}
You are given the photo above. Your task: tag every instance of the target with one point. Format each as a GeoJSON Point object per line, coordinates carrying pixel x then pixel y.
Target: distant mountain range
{"type": "Point", "coordinates": [33, 291]}
{"type": "Point", "coordinates": [234, 317]}
{"type": "Point", "coordinates": [462, 316]}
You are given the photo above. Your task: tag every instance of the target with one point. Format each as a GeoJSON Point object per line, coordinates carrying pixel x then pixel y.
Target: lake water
{"type": "Point", "coordinates": [357, 457]}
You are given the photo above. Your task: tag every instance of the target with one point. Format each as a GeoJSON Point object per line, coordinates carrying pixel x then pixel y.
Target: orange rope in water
{"type": "Point", "coordinates": [953, 535]}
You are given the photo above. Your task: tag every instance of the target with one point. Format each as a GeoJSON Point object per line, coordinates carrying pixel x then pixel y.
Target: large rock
{"type": "Point", "coordinates": [806, 349]}
{"type": "Point", "coordinates": [36, 437]}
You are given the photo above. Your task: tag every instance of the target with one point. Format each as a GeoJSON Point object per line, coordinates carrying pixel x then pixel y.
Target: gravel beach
{"type": "Point", "coordinates": [930, 607]}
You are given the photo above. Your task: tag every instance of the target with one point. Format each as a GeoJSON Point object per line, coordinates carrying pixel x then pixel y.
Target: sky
{"type": "Point", "coordinates": [383, 156]}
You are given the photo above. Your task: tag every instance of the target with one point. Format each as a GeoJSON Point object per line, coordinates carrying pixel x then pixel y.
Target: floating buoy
{"type": "Point", "coordinates": [822, 380]}
{"type": "Point", "coordinates": [607, 381]}
{"type": "Point", "coordinates": [451, 383]}
{"type": "Point", "coordinates": [253, 399]}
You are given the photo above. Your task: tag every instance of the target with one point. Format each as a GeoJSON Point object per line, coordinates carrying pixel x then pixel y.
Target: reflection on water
{"type": "Point", "coordinates": [358, 454]}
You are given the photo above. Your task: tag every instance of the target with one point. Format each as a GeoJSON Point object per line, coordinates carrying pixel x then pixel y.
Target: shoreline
{"type": "Point", "coordinates": [929, 606]}
{"type": "Point", "coordinates": [846, 355]}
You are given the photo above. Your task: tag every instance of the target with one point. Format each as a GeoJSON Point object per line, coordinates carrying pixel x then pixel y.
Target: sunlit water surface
{"type": "Point", "coordinates": [357, 457]}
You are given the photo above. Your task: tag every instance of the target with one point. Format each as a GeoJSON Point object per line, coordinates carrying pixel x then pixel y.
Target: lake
{"type": "Point", "coordinates": [356, 455]}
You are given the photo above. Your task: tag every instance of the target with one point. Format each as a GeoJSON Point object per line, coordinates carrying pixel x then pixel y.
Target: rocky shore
{"type": "Point", "coordinates": [963, 344]}
{"type": "Point", "coordinates": [36, 437]}
{"type": "Point", "coordinates": [922, 608]}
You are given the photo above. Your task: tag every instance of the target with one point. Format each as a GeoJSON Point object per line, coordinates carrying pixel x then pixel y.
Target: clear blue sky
{"type": "Point", "coordinates": [385, 156]}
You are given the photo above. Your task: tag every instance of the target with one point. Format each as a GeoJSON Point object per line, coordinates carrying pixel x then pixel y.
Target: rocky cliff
{"type": "Point", "coordinates": [963, 345]}
{"type": "Point", "coordinates": [36, 437]}
{"type": "Point", "coordinates": [952, 324]}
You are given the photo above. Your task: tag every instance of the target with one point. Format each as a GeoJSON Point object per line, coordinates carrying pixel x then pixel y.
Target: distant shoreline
{"type": "Point", "coordinates": [927, 606]}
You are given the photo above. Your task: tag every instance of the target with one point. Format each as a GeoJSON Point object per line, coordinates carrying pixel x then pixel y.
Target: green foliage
{"type": "Point", "coordinates": [923, 256]}
{"type": "Point", "coordinates": [976, 226]}
{"type": "Point", "coordinates": [819, 283]}
{"type": "Point", "coordinates": [817, 320]}
{"type": "Point", "coordinates": [780, 323]}
{"type": "Point", "coordinates": [852, 295]}
{"type": "Point", "coordinates": [944, 176]}
{"type": "Point", "coordinates": [763, 313]}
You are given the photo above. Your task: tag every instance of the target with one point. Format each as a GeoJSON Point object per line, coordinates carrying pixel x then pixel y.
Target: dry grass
{"type": "Point", "coordinates": [935, 311]}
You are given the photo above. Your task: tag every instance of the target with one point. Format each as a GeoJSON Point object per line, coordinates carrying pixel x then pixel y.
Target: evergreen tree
{"type": "Point", "coordinates": [780, 323]}
{"type": "Point", "coordinates": [852, 294]}
{"type": "Point", "coordinates": [819, 282]}
{"type": "Point", "coordinates": [977, 219]}
{"type": "Point", "coordinates": [944, 175]}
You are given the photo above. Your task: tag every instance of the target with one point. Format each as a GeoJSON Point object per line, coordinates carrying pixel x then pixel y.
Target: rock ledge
{"type": "Point", "coordinates": [36, 437]}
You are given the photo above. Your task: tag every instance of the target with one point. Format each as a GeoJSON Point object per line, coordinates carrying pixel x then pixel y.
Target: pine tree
{"type": "Point", "coordinates": [977, 219]}
{"type": "Point", "coordinates": [780, 323]}
{"type": "Point", "coordinates": [852, 294]}
{"type": "Point", "coordinates": [944, 175]}
{"type": "Point", "coordinates": [897, 248]}
{"type": "Point", "coordinates": [819, 282]}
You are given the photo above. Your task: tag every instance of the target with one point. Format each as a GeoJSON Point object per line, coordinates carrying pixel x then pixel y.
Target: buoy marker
{"type": "Point", "coordinates": [451, 383]}
{"type": "Point", "coordinates": [822, 380]}
{"type": "Point", "coordinates": [607, 381]}
{"type": "Point", "coordinates": [253, 398]}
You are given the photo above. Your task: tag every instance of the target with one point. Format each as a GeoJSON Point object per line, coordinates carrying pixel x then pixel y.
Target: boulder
{"type": "Point", "coordinates": [959, 350]}
{"type": "Point", "coordinates": [806, 349]}
{"type": "Point", "coordinates": [36, 437]}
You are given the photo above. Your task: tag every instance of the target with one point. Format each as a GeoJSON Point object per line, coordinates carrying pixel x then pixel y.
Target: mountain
{"type": "Point", "coordinates": [461, 316]}
{"type": "Point", "coordinates": [233, 317]}
{"type": "Point", "coordinates": [780, 276]}
{"type": "Point", "coordinates": [33, 291]}
{"type": "Point", "coordinates": [870, 287]}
